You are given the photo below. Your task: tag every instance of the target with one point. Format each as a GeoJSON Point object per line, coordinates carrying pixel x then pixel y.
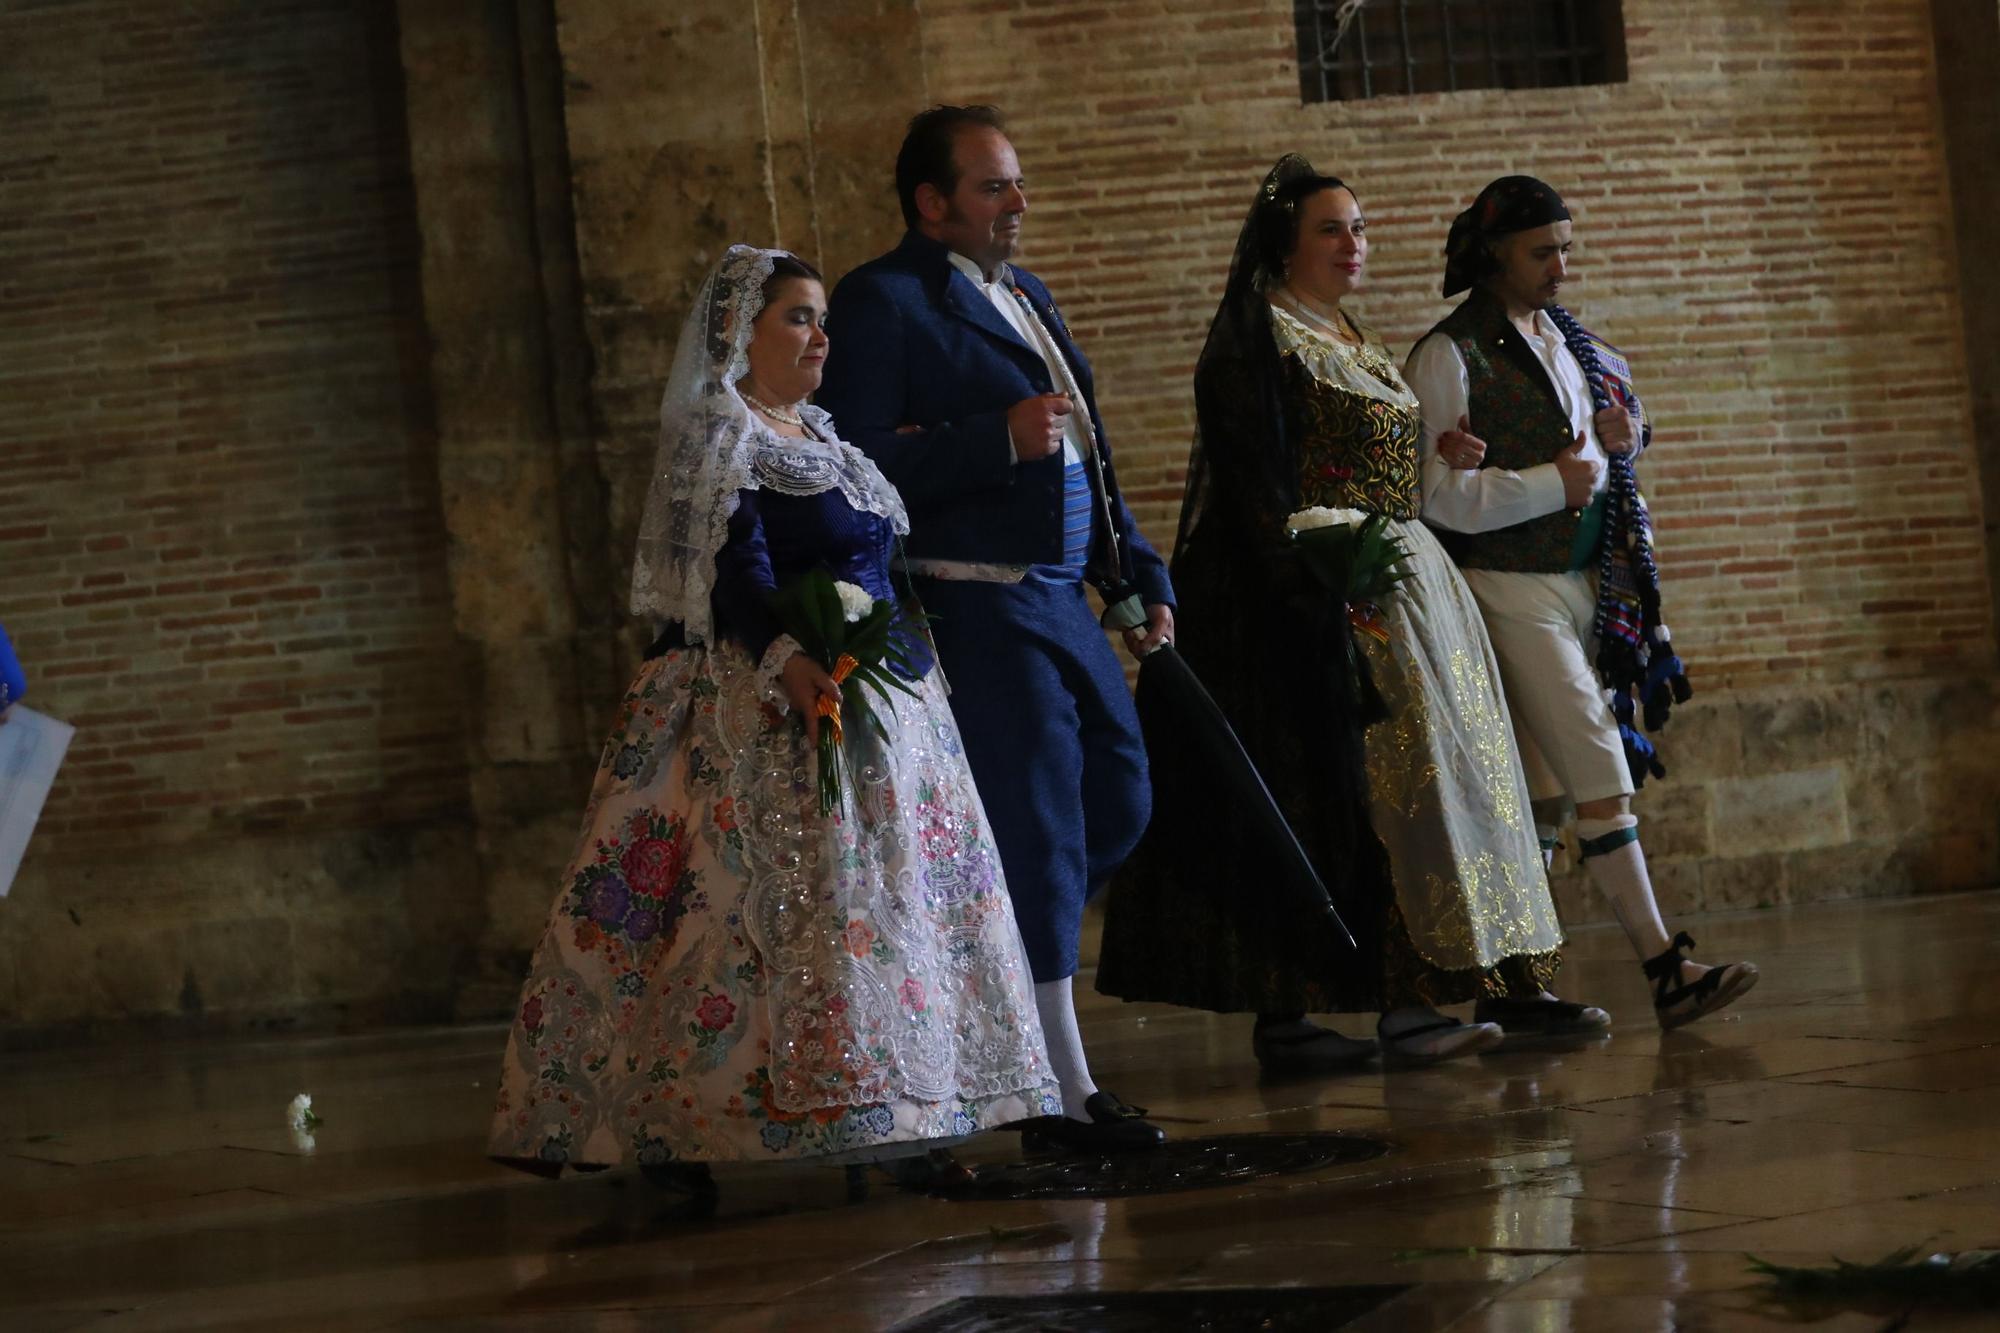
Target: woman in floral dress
{"type": "Point", "coordinates": [728, 974]}
{"type": "Point", "coordinates": [1418, 823]}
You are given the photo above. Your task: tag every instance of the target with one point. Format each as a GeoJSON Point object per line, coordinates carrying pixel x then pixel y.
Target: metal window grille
{"type": "Point", "coordinates": [1392, 48]}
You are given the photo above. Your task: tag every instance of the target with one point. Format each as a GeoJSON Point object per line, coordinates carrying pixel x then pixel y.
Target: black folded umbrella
{"type": "Point", "coordinates": [1183, 727]}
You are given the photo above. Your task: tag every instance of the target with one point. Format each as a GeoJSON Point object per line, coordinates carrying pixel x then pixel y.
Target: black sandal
{"type": "Point", "coordinates": [1715, 989]}
{"type": "Point", "coordinates": [1396, 1051]}
{"type": "Point", "coordinates": [1535, 1018]}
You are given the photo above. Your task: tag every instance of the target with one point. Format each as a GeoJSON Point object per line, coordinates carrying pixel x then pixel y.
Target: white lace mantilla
{"type": "Point", "coordinates": [713, 447]}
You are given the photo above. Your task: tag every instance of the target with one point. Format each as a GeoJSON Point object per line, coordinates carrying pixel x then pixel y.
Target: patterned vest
{"type": "Point", "coordinates": [1355, 451]}
{"type": "Point", "coordinates": [1515, 409]}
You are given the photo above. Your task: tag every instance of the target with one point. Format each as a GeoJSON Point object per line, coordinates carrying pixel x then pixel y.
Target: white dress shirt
{"type": "Point", "coordinates": [1000, 292]}
{"type": "Point", "coordinates": [1490, 498]}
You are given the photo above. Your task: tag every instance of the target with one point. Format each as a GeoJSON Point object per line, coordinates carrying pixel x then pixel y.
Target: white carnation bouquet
{"type": "Point", "coordinates": [854, 637]}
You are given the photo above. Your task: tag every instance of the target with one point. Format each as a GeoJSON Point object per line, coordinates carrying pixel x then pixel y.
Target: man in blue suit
{"type": "Point", "coordinates": [954, 371]}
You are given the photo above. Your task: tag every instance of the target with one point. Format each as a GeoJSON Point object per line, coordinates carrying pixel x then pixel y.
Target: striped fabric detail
{"type": "Point", "coordinates": [1077, 515]}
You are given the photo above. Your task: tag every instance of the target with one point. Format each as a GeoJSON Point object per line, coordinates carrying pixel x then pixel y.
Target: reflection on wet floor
{"type": "Point", "coordinates": [1224, 1310]}
{"type": "Point", "coordinates": [1848, 1107]}
{"type": "Point", "coordinates": [1189, 1163]}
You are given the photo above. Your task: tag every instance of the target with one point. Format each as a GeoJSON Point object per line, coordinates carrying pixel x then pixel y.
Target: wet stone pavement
{"type": "Point", "coordinates": [1849, 1106]}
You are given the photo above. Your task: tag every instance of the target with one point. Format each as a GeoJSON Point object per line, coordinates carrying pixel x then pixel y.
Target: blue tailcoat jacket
{"type": "Point", "coordinates": [915, 343]}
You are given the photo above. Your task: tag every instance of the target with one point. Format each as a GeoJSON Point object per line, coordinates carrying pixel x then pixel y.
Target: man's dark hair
{"type": "Point", "coordinates": [783, 269]}
{"type": "Point", "coordinates": [925, 157]}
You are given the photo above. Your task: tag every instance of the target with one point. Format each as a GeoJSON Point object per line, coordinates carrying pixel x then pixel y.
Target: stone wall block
{"type": "Point", "coordinates": [238, 967]}
{"type": "Point", "coordinates": [1737, 883]}
{"type": "Point", "coordinates": [1703, 738]}
{"type": "Point", "coordinates": [1675, 817]}
{"type": "Point", "coordinates": [1857, 870]}
{"type": "Point", "coordinates": [1781, 812]}
{"type": "Point", "coordinates": [1953, 862]}
{"type": "Point", "coordinates": [1676, 884]}
{"type": "Point", "coordinates": [109, 967]}
{"type": "Point", "coordinates": [518, 680]}
{"type": "Point", "coordinates": [1795, 729]}
{"type": "Point", "coordinates": [867, 73]}
{"type": "Point", "coordinates": [1917, 719]}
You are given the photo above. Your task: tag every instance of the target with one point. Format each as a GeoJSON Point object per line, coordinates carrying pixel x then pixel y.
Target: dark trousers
{"type": "Point", "coordinates": [1053, 742]}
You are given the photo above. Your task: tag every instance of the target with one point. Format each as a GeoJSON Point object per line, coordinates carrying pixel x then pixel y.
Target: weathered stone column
{"type": "Point", "coordinates": [506, 368]}
{"type": "Point", "coordinates": [1967, 34]}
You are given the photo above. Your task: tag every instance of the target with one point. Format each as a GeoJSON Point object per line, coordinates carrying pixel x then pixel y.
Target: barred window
{"type": "Point", "coordinates": [1352, 49]}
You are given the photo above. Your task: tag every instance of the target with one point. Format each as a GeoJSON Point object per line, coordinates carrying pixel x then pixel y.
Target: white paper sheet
{"type": "Point", "coordinates": [32, 746]}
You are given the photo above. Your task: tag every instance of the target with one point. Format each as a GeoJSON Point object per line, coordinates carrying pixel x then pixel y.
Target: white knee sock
{"type": "Point", "coordinates": [1611, 854]}
{"type": "Point", "coordinates": [1057, 1007]}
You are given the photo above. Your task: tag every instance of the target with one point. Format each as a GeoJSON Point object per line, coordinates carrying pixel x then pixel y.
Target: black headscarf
{"type": "Point", "coordinates": [1508, 205]}
{"type": "Point", "coordinates": [1240, 335]}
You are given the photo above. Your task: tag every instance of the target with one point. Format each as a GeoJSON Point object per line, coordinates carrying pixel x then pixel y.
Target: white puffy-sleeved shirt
{"type": "Point", "coordinates": [1491, 497]}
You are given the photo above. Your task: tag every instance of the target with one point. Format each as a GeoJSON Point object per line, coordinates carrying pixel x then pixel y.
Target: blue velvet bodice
{"type": "Point", "coordinates": [774, 538]}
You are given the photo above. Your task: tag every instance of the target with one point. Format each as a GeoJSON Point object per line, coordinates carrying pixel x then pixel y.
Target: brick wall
{"type": "Point", "coordinates": [325, 771]}
{"type": "Point", "coordinates": [220, 552]}
{"type": "Point", "coordinates": [1762, 222]}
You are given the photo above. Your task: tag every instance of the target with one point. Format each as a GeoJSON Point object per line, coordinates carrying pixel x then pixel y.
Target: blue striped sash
{"type": "Point", "coordinates": [1078, 511]}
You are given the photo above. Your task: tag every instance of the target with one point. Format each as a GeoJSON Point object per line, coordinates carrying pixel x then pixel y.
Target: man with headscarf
{"type": "Point", "coordinates": [1530, 425]}
{"type": "Point", "coordinates": [953, 370]}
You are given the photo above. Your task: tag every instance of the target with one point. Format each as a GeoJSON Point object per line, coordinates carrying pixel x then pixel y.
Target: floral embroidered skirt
{"type": "Point", "coordinates": [728, 975]}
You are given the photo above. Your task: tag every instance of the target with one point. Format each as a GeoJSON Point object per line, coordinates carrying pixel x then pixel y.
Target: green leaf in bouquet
{"type": "Point", "coordinates": [869, 637]}
{"type": "Point", "coordinates": [865, 714]}
{"type": "Point", "coordinates": [810, 610]}
{"type": "Point", "coordinates": [904, 666]}
{"type": "Point", "coordinates": [1381, 561]}
{"type": "Point", "coordinates": [1329, 553]}
{"type": "Point", "coordinates": [827, 610]}
{"type": "Point", "coordinates": [1355, 563]}
{"type": "Point", "coordinates": [802, 608]}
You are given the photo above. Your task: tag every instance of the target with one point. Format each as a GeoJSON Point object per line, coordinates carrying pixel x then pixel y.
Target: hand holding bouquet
{"type": "Point", "coordinates": [851, 636]}
{"type": "Point", "coordinates": [1353, 556]}
{"type": "Point", "coordinates": [1351, 553]}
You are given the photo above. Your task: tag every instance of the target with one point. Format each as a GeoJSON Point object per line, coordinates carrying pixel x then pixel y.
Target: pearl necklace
{"type": "Point", "coordinates": [790, 418]}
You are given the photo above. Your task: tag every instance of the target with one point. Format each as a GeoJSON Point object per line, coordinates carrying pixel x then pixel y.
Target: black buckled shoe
{"type": "Point", "coordinates": [1676, 1002]}
{"type": "Point", "coordinates": [1113, 1127]}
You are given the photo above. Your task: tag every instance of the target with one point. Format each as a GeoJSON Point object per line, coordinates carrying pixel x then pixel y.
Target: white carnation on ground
{"type": "Point", "coordinates": [855, 601]}
{"type": "Point", "coordinates": [1319, 516]}
{"type": "Point", "coordinates": [299, 1115]}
